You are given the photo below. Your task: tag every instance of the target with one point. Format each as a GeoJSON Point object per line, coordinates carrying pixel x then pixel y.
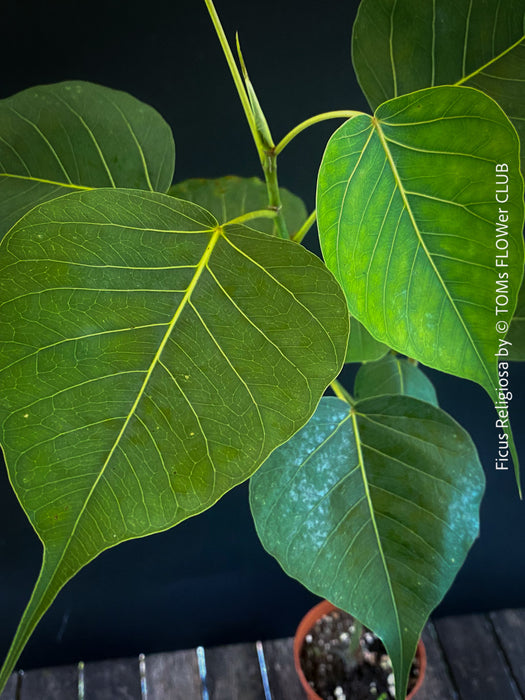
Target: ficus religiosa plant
{"type": "Point", "coordinates": [160, 344]}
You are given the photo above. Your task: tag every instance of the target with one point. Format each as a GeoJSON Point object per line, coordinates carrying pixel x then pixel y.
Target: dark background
{"type": "Point", "coordinates": [208, 581]}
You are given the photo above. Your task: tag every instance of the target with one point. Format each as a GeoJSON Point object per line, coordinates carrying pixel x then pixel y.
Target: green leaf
{"type": "Point", "coordinates": [399, 46]}
{"type": "Point", "coordinates": [59, 138]}
{"type": "Point", "coordinates": [229, 197]}
{"type": "Point", "coordinates": [375, 508]}
{"type": "Point", "coordinates": [362, 347]}
{"type": "Point", "coordinates": [149, 362]}
{"type": "Point", "coordinates": [516, 334]}
{"type": "Point", "coordinates": [408, 223]}
{"type": "Point", "coordinates": [394, 375]}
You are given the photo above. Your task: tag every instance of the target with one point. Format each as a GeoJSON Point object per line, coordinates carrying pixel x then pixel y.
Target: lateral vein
{"type": "Point", "coordinates": [156, 359]}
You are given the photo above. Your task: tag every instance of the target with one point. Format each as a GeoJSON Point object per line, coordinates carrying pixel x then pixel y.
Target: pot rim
{"type": "Point", "coordinates": [304, 627]}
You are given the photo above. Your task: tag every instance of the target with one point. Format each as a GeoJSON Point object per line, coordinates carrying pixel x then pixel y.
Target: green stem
{"type": "Point", "coordinates": [241, 90]}
{"type": "Point", "coordinates": [274, 196]}
{"type": "Point", "coordinates": [267, 153]}
{"type": "Point", "coordinates": [341, 392]}
{"type": "Point", "coordinates": [339, 114]}
{"type": "Point", "coordinates": [259, 214]}
{"type": "Point", "coordinates": [301, 233]}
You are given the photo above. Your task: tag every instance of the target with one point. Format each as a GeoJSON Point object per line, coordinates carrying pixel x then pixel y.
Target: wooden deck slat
{"type": "Point", "coordinates": [484, 653]}
{"type": "Point", "coordinates": [282, 677]}
{"type": "Point", "coordinates": [476, 661]}
{"type": "Point", "coordinates": [437, 684]}
{"type": "Point", "coordinates": [10, 689]}
{"type": "Point", "coordinates": [59, 683]}
{"type": "Point", "coordinates": [112, 680]}
{"type": "Point", "coordinates": [233, 673]}
{"type": "Point", "coordinates": [174, 676]}
{"type": "Point", "coordinates": [510, 628]}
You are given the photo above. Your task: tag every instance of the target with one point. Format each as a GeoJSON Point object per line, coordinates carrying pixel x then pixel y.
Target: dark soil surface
{"type": "Point", "coordinates": [327, 664]}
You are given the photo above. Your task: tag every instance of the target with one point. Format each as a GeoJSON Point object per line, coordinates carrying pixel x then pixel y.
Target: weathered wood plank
{"type": "Point", "coordinates": [112, 680]}
{"type": "Point", "coordinates": [437, 684]}
{"type": "Point", "coordinates": [58, 683]}
{"type": "Point", "coordinates": [476, 661]}
{"type": "Point", "coordinates": [233, 673]}
{"type": "Point", "coordinates": [510, 629]}
{"type": "Point", "coordinates": [282, 677]}
{"type": "Point", "coordinates": [9, 692]}
{"type": "Point", "coordinates": [173, 675]}
{"type": "Point", "coordinates": [474, 648]}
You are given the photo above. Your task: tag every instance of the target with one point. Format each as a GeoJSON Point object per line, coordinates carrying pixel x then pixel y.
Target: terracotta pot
{"type": "Point", "coordinates": [304, 628]}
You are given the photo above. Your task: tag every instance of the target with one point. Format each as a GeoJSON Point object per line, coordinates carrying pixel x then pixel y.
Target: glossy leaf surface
{"type": "Point", "coordinates": [399, 46]}
{"type": "Point", "coordinates": [150, 361]}
{"type": "Point", "coordinates": [231, 196]}
{"type": "Point", "coordinates": [55, 139]}
{"type": "Point", "coordinates": [375, 511]}
{"type": "Point", "coordinates": [407, 219]}
{"type": "Point", "coordinates": [393, 375]}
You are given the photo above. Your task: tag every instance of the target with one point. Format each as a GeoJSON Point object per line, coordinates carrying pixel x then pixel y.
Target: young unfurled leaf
{"type": "Point", "coordinates": [150, 360]}
{"type": "Point", "coordinates": [55, 139]}
{"type": "Point", "coordinates": [375, 508]}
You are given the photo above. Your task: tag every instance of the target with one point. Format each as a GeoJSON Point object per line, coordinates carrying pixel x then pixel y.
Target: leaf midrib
{"type": "Point", "coordinates": [495, 59]}
{"type": "Point", "coordinates": [403, 193]}
{"type": "Point", "coordinates": [43, 181]}
{"type": "Point", "coordinates": [216, 234]}
{"type": "Point", "coordinates": [368, 496]}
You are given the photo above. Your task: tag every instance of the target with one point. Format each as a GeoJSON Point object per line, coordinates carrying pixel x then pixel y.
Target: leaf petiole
{"type": "Point", "coordinates": [341, 392]}
{"type": "Point", "coordinates": [259, 214]}
{"type": "Point", "coordinates": [338, 114]}
{"type": "Point", "coordinates": [301, 233]}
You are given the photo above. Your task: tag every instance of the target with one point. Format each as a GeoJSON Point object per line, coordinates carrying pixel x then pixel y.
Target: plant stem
{"type": "Point", "coordinates": [301, 233]}
{"type": "Point", "coordinates": [274, 196]}
{"type": "Point", "coordinates": [241, 90]}
{"type": "Point", "coordinates": [339, 114]}
{"type": "Point", "coordinates": [341, 392]}
{"type": "Point", "coordinates": [267, 152]}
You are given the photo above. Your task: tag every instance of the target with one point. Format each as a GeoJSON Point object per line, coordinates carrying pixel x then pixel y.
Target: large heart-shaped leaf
{"type": "Point", "coordinates": [410, 225]}
{"type": "Point", "coordinates": [399, 46]}
{"type": "Point", "coordinates": [75, 135]}
{"type": "Point", "coordinates": [393, 375]}
{"type": "Point", "coordinates": [150, 360]}
{"type": "Point", "coordinates": [375, 508]}
{"type": "Point", "coordinates": [229, 197]}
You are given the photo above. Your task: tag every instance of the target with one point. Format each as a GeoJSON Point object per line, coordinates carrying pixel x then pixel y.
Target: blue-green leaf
{"type": "Point", "coordinates": [394, 375]}
{"type": "Point", "coordinates": [375, 508]}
